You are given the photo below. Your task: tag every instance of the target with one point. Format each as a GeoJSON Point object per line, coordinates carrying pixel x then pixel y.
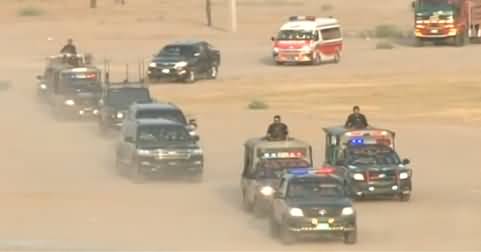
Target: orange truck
{"type": "Point", "coordinates": [453, 21]}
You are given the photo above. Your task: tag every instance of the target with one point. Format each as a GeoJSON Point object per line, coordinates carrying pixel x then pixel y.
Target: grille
{"type": "Point", "coordinates": [382, 176]}
{"type": "Point", "coordinates": [165, 65]}
{"type": "Point", "coordinates": [315, 212]}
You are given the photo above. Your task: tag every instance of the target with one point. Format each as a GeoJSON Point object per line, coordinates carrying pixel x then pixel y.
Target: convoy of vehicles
{"type": "Point", "coordinates": [185, 61]}
{"type": "Point", "coordinates": [308, 40]}
{"type": "Point", "coordinates": [452, 21]}
{"type": "Point", "coordinates": [311, 203]}
{"type": "Point", "coordinates": [264, 161]}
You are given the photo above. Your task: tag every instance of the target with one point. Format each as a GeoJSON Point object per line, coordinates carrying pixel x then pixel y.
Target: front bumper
{"type": "Point", "coordinates": [322, 224]}
{"type": "Point", "coordinates": [78, 111]}
{"type": "Point", "coordinates": [435, 33]}
{"type": "Point", "coordinates": [172, 167]}
{"type": "Point", "coordinates": [363, 188]}
{"type": "Point", "coordinates": [166, 73]}
{"type": "Point", "coordinates": [292, 57]}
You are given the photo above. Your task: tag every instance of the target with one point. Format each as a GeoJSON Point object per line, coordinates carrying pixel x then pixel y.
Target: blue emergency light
{"type": "Point", "coordinates": [298, 171]}
{"type": "Point", "coordinates": [357, 141]}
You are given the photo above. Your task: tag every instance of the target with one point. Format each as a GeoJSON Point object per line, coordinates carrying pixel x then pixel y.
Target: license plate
{"type": "Point", "coordinates": [291, 58]}
{"type": "Point", "coordinates": [165, 70]}
{"type": "Point", "coordinates": [434, 31]}
{"type": "Point", "coordinates": [323, 226]}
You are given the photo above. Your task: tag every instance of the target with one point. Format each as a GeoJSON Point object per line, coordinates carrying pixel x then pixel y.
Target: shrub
{"type": "Point", "coordinates": [257, 105]}
{"type": "Point", "coordinates": [30, 12]}
{"type": "Point", "coordinates": [388, 31]}
{"type": "Point", "coordinates": [327, 7]}
{"type": "Point", "coordinates": [4, 85]}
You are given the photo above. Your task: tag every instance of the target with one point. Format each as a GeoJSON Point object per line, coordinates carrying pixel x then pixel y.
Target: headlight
{"type": "Point", "coordinates": [276, 50]}
{"type": "Point", "coordinates": [403, 175]}
{"type": "Point", "coordinates": [306, 49]}
{"type": "Point", "coordinates": [267, 191]}
{"type": "Point", "coordinates": [120, 115]}
{"type": "Point", "coordinates": [296, 212]}
{"type": "Point", "coordinates": [43, 86]}
{"type": "Point", "coordinates": [69, 102]}
{"type": "Point", "coordinates": [153, 64]}
{"type": "Point", "coordinates": [347, 211]}
{"type": "Point", "coordinates": [358, 176]}
{"type": "Point", "coordinates": [197, 151]}
{"type": "Point", "coordinates": [180, 64]}
{"type": "Point", "coordinates": [144, 152]}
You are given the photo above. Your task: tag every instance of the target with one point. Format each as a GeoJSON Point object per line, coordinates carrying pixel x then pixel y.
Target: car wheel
{"type": "Point", "coordinates": [135, 175]}
{"type": "Point", "coordinates": [246, 204]}
{"type": "Point", "coordinates": [287, 236]}
{"type": "Point", "coordinates": [404, 197]}
{"type": "Point", "coordinates": [350, 237]}
{"type": "Point", "coordinates": [273, 227]}
{"type": "Point", "coordinates": [316, 59]}
{"type": "Point", "coordinates": [337, 58]}
{"type": "Point", "coordinates": [259, 212]}
{"type": "Point", "coordinates": [213, 72]}
{"type": "Point", "coordinates": [191, 77]}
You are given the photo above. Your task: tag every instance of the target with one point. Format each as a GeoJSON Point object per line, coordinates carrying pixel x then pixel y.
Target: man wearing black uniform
{"type": "Point", "coordinates": [277, 130]}
{"type": "Point", "coordinates": [356, 120]}
{"type": "Point", "coordinates": [69, 48]}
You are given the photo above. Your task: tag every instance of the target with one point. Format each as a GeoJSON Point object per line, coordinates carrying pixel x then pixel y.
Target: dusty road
{"type": "Point", "coordinates": [58, 188]}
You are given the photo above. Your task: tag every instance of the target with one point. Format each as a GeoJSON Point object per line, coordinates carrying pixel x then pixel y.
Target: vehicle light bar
{"type": "Point", "coordinates": [302, 18]}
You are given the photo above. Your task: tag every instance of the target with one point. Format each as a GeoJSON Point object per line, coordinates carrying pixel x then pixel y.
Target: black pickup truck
{"type": "Point", "coordinates": [185, 61]}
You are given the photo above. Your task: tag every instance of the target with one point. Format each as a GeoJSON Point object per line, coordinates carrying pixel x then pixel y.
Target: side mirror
{"type": "Point", "coordinates": [277, 195]}
{"type": "Point", "coordinates": [196, 138]}
{"type": "Point", "coordinates": [129, 139]}
{"type": "Point", "coordinates": [406, 161]}
{"type": "Point", "coordinates": [193, 123]}
{"type": "Point", "coordinates": [39, 77]}
{"type": "Point", "coordinates": [273, 39]}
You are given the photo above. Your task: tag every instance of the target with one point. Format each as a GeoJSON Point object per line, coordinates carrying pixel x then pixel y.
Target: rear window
{"type": "Point", "coordinates": [331, 33]}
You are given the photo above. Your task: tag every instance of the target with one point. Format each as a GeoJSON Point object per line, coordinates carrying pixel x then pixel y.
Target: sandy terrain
{"type": "Point", "coordinates": [58, 187]}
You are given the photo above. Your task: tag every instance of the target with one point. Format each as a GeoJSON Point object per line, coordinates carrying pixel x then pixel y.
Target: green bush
{"type": "Point", "coordinates": [30, 12]}
{"type": "Point", "coordinates": [388, 31]}
{"type": "Point", "coordinates": [4, 85]}
{"type": "Point", "coordinates": [257, 105]}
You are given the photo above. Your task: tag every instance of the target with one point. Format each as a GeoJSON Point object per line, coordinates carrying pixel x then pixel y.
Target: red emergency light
{"type": "Point", "coordinates": [326, 170]}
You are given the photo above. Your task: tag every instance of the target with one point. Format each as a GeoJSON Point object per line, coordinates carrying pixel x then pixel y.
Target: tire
{"type": "Point", "coordinates": [259, 212]}
{"type": "Point", "coordinates": [287, 237]}
{"type": "Point", "coordinates": [213, 72]}
{"type": "Point", "coordinates": [316, 59]}
{"type": "Point", "coordinates": [191, 77]}
{"type": "Point", "coordinates": [419, 42]}
{"type": "Point", "coordinates": [273, 228]}
{"type": "Point", "coordinates": [135, 175]}
{"type": "Point", "coordinates": [246, 204]}
{"type": "Point", "coordinates": [337, 58]}
{"type": "Point", "coordinates": [350, 237]}
{"type": "Point", "coordinates": [404, 197]}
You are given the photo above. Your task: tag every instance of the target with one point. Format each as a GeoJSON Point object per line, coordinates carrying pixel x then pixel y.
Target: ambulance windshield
{"type": "Point", "coordinates": [295, 35]}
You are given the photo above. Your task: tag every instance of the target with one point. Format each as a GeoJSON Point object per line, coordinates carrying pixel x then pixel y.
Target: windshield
{"type": "Point", "coordinates": [295, 35]}
{"type": "Point", "coordinates": [156, 136]}
{"type": "Point", "coordinates": [169, 114]}
{"type": "Point", "coordinates": [273, 168]}
{"type": "Point", "coordinates": [313, 188]}
{"type": "Point", "coordinates": [177, 51]}
{"type": "Point", "coordinates": [430, 6]}
{"type": "Point", "coordinates": [122, 98]}
{"type": "Point", "coordinates": [372, 156]}
{"type": "Point", "coordinates": [80, 83]}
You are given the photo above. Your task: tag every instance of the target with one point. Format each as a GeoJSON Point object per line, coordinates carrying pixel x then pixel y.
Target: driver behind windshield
{"type": "Point", "coordinates": [313, 189]}
{"type": "Point", "coordinates": [273, 168]}
{"type": "Point", "coordinates": [155, 136]}
{"type": "Point", "coordinates": [372, 156]}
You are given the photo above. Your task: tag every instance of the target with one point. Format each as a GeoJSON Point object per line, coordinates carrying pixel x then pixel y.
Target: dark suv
{"type": "Point", "coordinates": [185, 61]}
{"type": "Point", "coordinates": [115, 102]}
{"type": "Point", "coordinates": [158, 147]}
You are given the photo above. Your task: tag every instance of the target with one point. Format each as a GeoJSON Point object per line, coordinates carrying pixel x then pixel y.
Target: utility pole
{"type": "Point", "coordinates": [233, 15]}
{"type": "Point", "coordinates": [208, 12]}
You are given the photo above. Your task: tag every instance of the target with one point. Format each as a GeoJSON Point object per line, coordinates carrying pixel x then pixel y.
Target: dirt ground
{"type": "Point", "coordinates": [58, 187]}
